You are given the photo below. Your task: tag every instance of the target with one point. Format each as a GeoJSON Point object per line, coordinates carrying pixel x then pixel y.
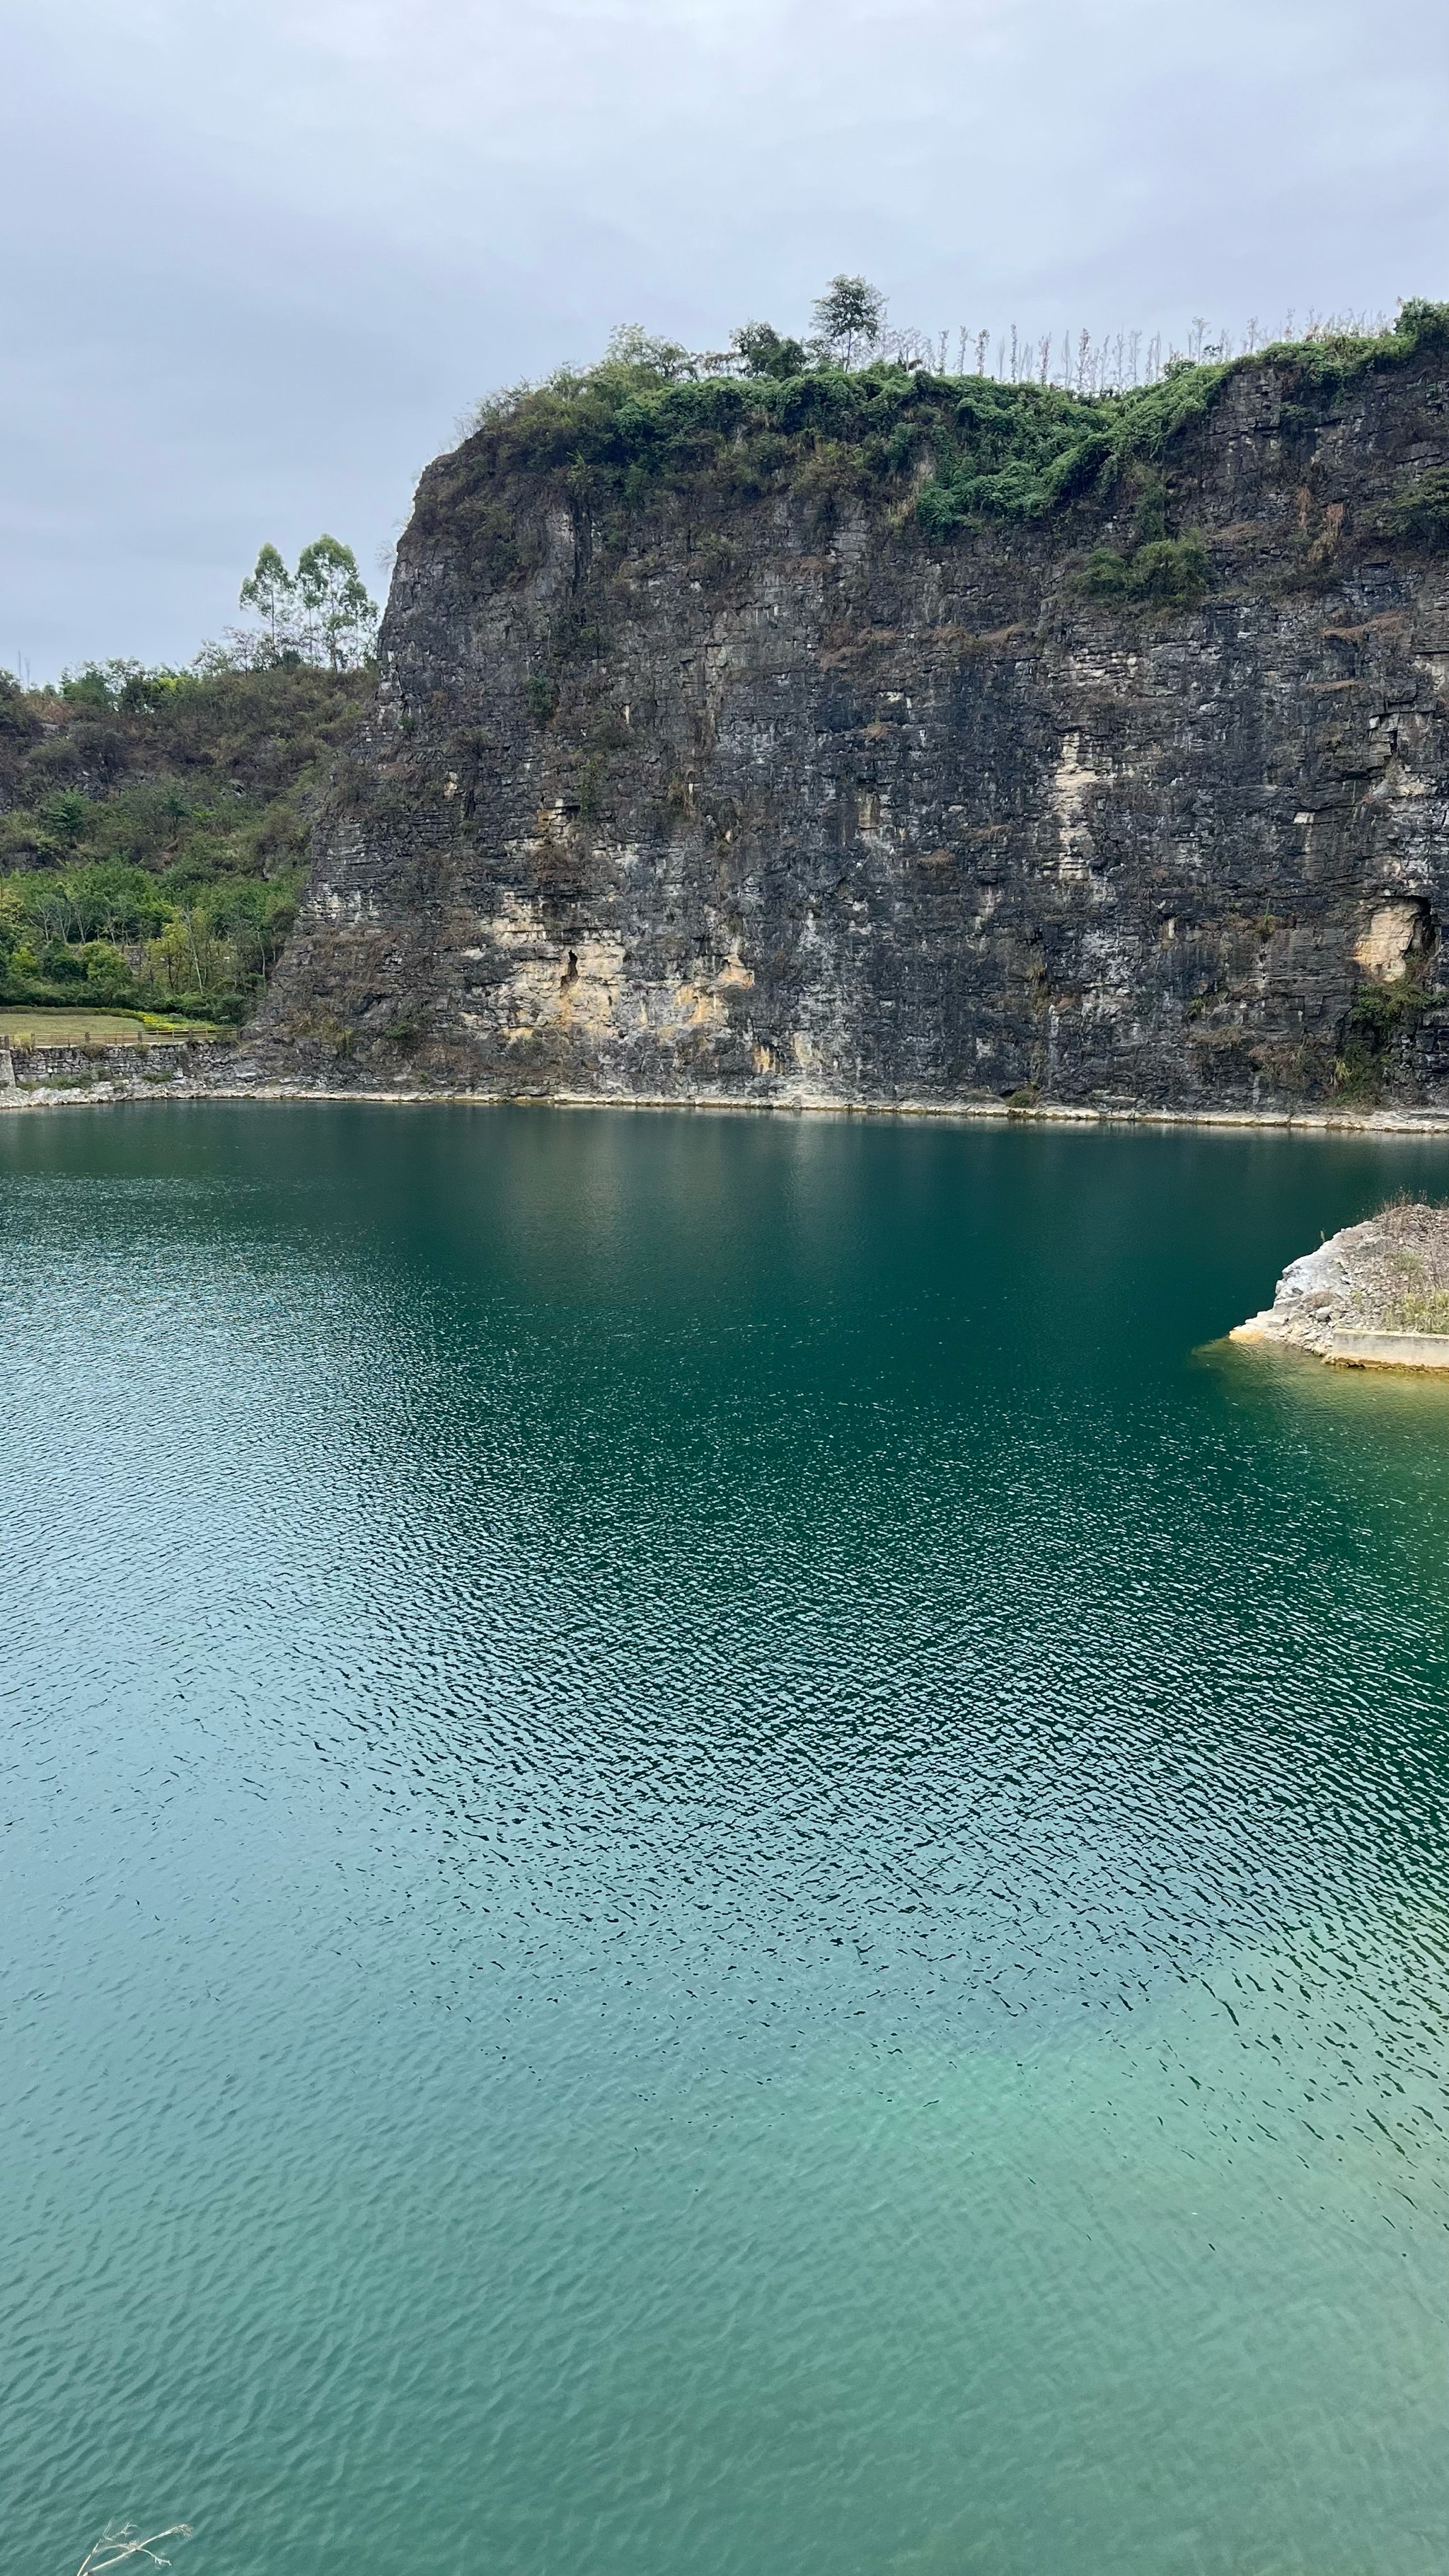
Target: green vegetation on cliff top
{"type": "Point", "coordinates": [950, 448]}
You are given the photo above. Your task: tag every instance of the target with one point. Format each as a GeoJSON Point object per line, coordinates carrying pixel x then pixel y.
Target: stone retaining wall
{"type": "Point", "coordinates": [148, 1065]}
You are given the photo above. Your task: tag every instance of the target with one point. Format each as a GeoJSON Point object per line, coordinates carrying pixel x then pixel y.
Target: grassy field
{"type": "Point", "coordinates": [26, 1024]}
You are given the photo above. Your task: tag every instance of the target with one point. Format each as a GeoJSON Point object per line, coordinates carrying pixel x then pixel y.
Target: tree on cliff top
{"type": "Point", "coordinates": [642, 352]}
{"type": "Point", "coordinates": [760, 350]}
{"type": "Point", "coordinates": [850, 317]}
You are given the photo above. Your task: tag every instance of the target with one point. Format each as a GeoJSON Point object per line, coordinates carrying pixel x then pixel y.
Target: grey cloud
{"type": "Point", "coordinates": [271, 252]}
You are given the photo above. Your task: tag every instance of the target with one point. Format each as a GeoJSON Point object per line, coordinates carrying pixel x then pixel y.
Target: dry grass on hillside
{"type": "Point", "coordinates": [1401, 1283]}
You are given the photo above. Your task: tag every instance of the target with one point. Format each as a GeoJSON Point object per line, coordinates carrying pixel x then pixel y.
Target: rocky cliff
{"type": "Point", "coordinates": [764, 775]}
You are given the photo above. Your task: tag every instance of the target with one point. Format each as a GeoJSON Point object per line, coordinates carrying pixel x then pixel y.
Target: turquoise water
{"type": "Point", "coordinates": [720, 1855]}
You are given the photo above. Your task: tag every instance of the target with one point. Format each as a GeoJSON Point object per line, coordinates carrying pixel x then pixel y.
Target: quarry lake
{"type": "Point", "coordinates": [722, 1857]}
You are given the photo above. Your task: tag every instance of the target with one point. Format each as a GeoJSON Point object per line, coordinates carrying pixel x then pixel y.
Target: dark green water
{"type": "Point", "coordinates": [716, 1864]}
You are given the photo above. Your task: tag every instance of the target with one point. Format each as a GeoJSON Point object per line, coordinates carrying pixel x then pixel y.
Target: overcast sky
{"type": "Point", "coordinates": [262, 254]}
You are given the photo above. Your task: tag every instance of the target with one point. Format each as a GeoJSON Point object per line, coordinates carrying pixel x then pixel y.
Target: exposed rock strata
{"type": "Point", "coordinates": [781, 800]}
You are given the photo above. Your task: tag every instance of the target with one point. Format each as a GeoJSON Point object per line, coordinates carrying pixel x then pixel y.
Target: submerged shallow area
{"type": "Point", "coordinates": [722, 1852]}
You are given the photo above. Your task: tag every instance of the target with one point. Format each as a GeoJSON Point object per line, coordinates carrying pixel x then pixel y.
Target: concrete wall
{"type": "Point", "coordinates": [1390, 1350]}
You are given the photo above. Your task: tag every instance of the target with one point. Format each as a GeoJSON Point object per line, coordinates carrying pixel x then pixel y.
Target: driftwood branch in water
{"type": "Point", "coordinates": [121, 2541]}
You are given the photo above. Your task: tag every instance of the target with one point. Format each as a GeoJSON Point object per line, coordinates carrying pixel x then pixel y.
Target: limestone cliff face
{"type": "Point", "coordinates": [783, 798]}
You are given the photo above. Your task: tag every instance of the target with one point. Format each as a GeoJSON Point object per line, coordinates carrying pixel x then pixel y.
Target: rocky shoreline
{"type": "Point", "coordinates": [96, 1077]}
{"type": "Point", "coordinates": [1373, 1295]}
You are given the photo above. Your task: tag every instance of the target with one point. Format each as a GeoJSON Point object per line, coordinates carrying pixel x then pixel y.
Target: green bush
{"type": "Point", "coordinates": [614, 435]}
{"type": "Point", "coordinates": [1421, 1310]}
{"type": "Point", "coordinates": [1106, 574]}
{"type": "Point", "coordinates": [17, 721]}
{"type": "Point", "coordinates": [1170, 572]}
{"type": "Point", "coordinates": [1173, 571]}
{"type": "Point", "coordinates": [1422, 325]}
{"type": "Point", "coordinates": [87, 688]}
{"type": "Point", "coordinates": [1418, 509]}
{"type": "Point", "coordinates": [1152, 511]}
{"type": "Point", "coordinates": [1380, 1011]}
{"type": "Point", "coordinates": [108, 977]}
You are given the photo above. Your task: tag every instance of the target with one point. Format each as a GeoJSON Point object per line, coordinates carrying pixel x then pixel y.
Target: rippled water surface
{"type": "Point", "coordinates": [719, 1860]}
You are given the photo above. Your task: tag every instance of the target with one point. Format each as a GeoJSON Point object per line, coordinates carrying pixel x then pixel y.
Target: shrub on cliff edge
{"type": "Point", "coordinates": [1418, 509]}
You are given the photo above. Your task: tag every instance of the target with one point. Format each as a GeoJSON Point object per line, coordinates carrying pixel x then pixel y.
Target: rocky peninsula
{"type": "Point", "coordinates": [1373, 1295]}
